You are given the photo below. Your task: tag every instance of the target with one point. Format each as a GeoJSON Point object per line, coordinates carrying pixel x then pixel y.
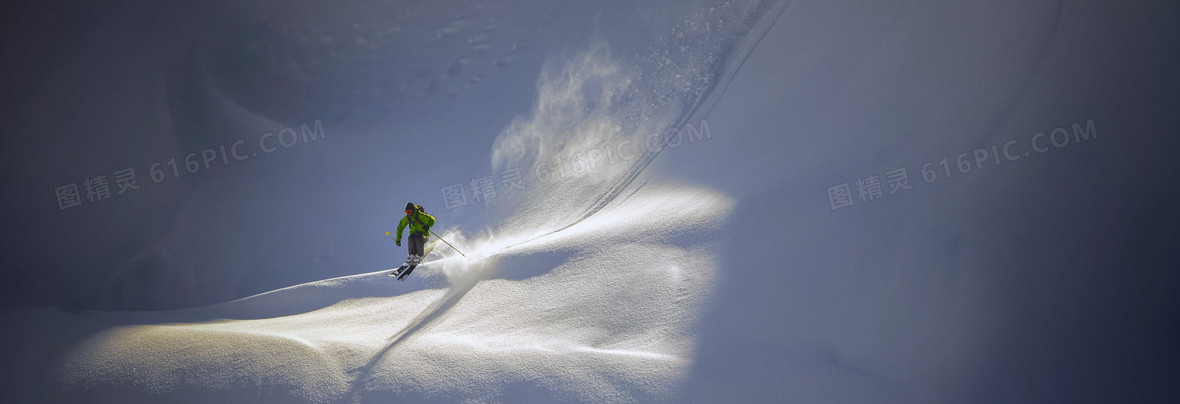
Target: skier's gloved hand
{"type": "Point", "coordinates": [399, 244]}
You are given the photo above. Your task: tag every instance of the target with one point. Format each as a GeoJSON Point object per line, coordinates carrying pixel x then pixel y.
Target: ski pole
{"type": "Point", "coordinates": [448, 244]}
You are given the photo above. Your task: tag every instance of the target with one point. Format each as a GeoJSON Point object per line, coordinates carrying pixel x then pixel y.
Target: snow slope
{"type": "Point", "coordinates": [718, 270]}
{"type": "Point", "coordinates": [590, 288]}
{"type": "Point", "coordinates": [563, 317]}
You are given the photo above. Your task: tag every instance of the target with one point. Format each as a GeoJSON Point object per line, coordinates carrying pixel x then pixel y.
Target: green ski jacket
{"type": "Point", "coordinates": [419, 223]}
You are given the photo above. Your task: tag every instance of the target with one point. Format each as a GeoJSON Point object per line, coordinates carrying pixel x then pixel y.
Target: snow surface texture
{"type": "Point", "coordinates": [579, 331]}
{"type": "Point", "coordinates": [718, 271]}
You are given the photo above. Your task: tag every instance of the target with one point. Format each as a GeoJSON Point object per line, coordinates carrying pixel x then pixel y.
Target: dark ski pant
{"type": "Point", "coordinates": [416, 243]}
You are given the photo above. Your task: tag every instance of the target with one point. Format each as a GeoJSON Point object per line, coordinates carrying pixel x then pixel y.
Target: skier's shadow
{"type": "Point", "coordinates": [428, 316]}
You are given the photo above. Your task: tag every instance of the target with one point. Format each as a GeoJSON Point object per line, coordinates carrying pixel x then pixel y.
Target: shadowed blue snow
{"type": "Point", "coordinates": [679, 233]}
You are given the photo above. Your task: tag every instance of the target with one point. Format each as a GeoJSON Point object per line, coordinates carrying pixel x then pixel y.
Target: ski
{"type": "Point", "coordinates": [399, 270]}
{"type": "Point", "coordinates": [406, 272]}
{"type": "Point", "coordinates": [403, 271]}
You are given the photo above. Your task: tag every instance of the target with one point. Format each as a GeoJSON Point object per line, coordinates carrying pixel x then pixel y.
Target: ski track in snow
{"type": "Point", "coordinates": [559, 331]}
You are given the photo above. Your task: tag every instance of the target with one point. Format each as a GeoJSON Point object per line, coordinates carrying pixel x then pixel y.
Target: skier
{"type": "Point", "coordinates": [420, 224]}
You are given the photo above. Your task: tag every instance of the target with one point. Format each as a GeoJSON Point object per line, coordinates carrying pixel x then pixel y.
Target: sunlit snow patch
{"type": "Point", "coordinates": [612, 321]}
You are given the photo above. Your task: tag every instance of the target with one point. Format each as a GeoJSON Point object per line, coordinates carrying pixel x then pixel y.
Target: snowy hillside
{"type": "Point", "coordinates": [659, 201]}
{"type": "Point", "coordinates": [568, 318]}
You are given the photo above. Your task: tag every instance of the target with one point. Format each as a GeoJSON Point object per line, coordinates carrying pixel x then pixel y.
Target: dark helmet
{"type": "Point", "coordinates": [410, 208]}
